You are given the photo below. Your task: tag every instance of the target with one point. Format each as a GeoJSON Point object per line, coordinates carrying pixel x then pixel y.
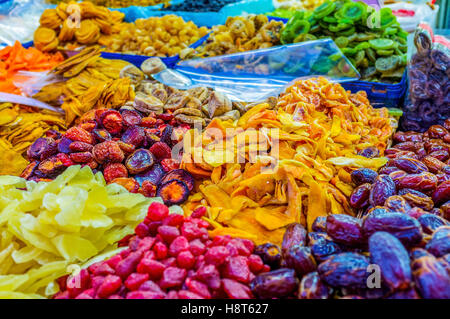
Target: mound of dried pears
{"type": "Point", "coordinates": [320, 132]}
{"type": "Point", "coordinates": [46, 227]}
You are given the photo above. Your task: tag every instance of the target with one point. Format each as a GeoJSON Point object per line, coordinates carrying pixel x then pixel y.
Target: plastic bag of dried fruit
{"type": "Point", "coordinates": [429, 87]}
{"type": "Point", "coordinates": [256, 75]}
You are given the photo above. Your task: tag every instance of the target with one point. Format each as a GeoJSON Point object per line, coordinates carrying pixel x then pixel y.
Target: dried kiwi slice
{"type": "Point", "coordinates": [368, 72]}
{"type": "Point", "coordinates": [348, 32]}
{"type": "Point", "coordinates": [387, 64]}
{"type": "Point", "coordinates": [359, 57]}
{"type": "Point", "coordinates": [349, 51]}
{"type": "Point", "coordinates": [300, 27]}
{"type": "Point", "coordinates": [390, 31]}
{"type": "Point", "coordinates": [324, 9]}
{"type": "Point", "coordinates": [365, 36]}
{"type": "Point", "coordinates": [362, 46]}
{"type": "Point", "coordinates": [387, 18]}
{"type": "Point", "coordinates": [314, 28]}
{"type": "Point", "coordinates": [339, 27]}
{"type": "Point", "coordinates": [341, 42]}
{"type": "Point", "coordinates": [382, 44]}
{"type": "Point", "coordinates": [330, 19]}
{"type": "Point", "coordinates": [370, 53]}
{"type": "Point", "coordinates": [385, 52]}
{"type": "Point", "coordinates": [352, 10]}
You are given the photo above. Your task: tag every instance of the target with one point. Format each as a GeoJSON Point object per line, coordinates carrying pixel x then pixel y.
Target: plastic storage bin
{"type": "Point", "coordinates": [380, 94]}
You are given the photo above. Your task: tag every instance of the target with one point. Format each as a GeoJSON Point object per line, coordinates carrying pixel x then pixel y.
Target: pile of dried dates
{"type": "Point", "coordinates": [384, 255]}
{"type": "Point", "coordinates": [416, 179]}
{"type": "Point", "coordinates": [129, 149]}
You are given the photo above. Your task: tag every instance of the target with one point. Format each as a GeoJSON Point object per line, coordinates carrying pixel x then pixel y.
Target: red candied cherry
{"type": "Point", "coordinates": [173, 277]}
{"type": "Point", "coordinates": [185, 260]}
{"type": "Point", "coordinates": [217, 255]}
{"type": "Point", "coordinates": [255, 263]}
{"type": "Point", "coordinates": [178, 245]}
{"type": "Point", "coordinates": [151, 267]}
{"type": "Point", "coordinates": [157, 211]}
{"type": "Point", "coordinates": [141, 230]}
{"type": "Point", "coordinates": [109, 286]}
{"type": "Point", "coordinates": [199, 212]}
{"type": "Point", "coordinates": [168, 233]}
{"type": "Point", "coordinates": [196, 247]}
{"type": "Point", "coordinates": [173, 220]}
{"type": "Point", "coordinates": [135, 280]}
{"type": "Point", "coordinates": [160, 250]}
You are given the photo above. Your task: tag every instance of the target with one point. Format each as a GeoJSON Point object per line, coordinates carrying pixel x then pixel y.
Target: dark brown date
{"type": "Point", "coordinates": [424, 182]}
{"type": "Point", "coordinates": [345, 270]}
{"type": "Point", "coordinates": [437, 131]}
{"type": "Point", "coordinates": [439, 244]}
{"type": "Point", "coordinates": [402, 226]}
{"type": "Point", "coordinates": [431, 278]}
{"type": "Point", "coordinates": [434, 165]}
{"type": "Point", "coordinates": [360, 196]}
{"type": "Point", "coordinates": [382, 189]}
{"type": "Point", "coordinates": [442, 193]}
{"type": "Point", "coordinates": [275, 284]}
{"type": "Point", "coordinates": [311, 287]}
{"type": "Point", "coordinates": [406, 146]}
{"type": "Point", "coordinates": [345, 229]}
{"type": "Point", "coordinates": [417, 199]}
{"type": "Point", "coordinates": [363, 175]}
{"type": "Point", "coordinates": [295, 234]}
{"type": "Point", "coordinates": [270, 254]}
{"type": "Point", "coordinates": [390, 255]}
{"type": "Point", "coordinates": [430, 223]}
{"type": "Point", "coordinates": [397, 203]}
{"type": "Point", "coordinates": [409, 165]}
{"type": "Point", "coordinates": [440, 155]}
{"type": "Point", "coordinates": [320, 224]}
{"type": "Point", "coordinates": [300, 259]}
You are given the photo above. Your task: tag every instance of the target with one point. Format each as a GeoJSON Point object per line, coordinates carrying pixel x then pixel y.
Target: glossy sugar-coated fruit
{"type": "Point", "coordinates": [172, 257]}
{"type": "Point", "coordinates": [390, 255]}
{"type": "Point", "coordinates": [270, 254]}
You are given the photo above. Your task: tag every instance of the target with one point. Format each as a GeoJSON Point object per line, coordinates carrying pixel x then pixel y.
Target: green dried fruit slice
{"type": "Point", "coordinates": [387, 64]}
{"type": "Point", "coordinates": [382, 44]}
{"type": "Point", "coordinates": [403, 34]}
{"type": "Point", "coordinates": [385, 52]}
{"type": "Point", "coordinates": [390, 31]}
{"type": "Point", "coordinates": [300, 27]}
{"type": "Point", "coordinates": [349, 51]}
{"type": "Point", "coordinates": [330, 19]}
{"type": "Point", "coordinates": [368, 72]}
{"type": "Point", "coordinates": [314, 28]}
{"type": "Point", "coordinates": [362, 46]}
{"type": "Point", "coordinates": [387, 18]}
{"type": "Point", "coordinates": [365, 36]}
{"type": "Point", "coordinates": [395, 112]}
{"type": "Point", "coordinates": [359, 57]}
{"type": "Point", "coordinates": [309, 37]}
{"type": "Point", "coordinates": [348, 32]}
{"type": "Point", "coordinates": [339, 27]}
{"type": "Point", "coordinates": [341, 42]}
{"type": "Point", "coordinates": [323, 25]}
{"type": "Point", "coordinates": [352, 10]}
{"type": "Point", "coordinates": [397, 73]}
{"type": "Point", "coordinates": [352, 37]}
{"type": "Point", "coordinates": [371, 55]}
{"type": "Point", "coordinates": [324, 9]}
{"type": "Point", "coordinates": [364, 63]}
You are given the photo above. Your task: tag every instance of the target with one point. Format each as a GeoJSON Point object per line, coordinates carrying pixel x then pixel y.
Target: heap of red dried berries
{"type": "Point", "coordinates": [170, 257]}
{"type": "Point", "coordinates": [131, 150]}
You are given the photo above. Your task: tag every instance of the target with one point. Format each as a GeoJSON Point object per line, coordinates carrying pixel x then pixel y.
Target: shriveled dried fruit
{"type": "Point", "coordinates": [275, 284]}
{"type": "Point", "coordinates": [108, 152]}
{"type": "Point", "coordinates": [179, 174]}
{"type": "Point", "coordinates": [140, 161]}
{"type": "Point", "coordinates": [173, 192]}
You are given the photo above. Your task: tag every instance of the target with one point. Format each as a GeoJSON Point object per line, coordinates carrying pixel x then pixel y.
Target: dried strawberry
{"type": "Point", "coordinates": [169, 164]}
{"type": "Point", "coordinates": [79, 134]}
{"type": "Point", "coordinates": [112, 121]}
{"type": "Point", "coordinates": [65, 159]}
{"type": "Point", "coordinates": [108, 152]}
{"type": "Point", "coordinates": [113, 171]}
{"type": "Point", "coordinates": [83, 157]}
{"type": "Point", "coordinates": [161, 150]}
{"type": "Point", "coordinates": [80, 147]}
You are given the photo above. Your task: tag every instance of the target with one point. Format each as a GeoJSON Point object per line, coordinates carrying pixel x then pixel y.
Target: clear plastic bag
{"type": "Point", "coordinates": [19, 19]}
{"type": "Point", "coordinates": [256, 75]}
{"type": "Point", "coordinates": [428, 99]}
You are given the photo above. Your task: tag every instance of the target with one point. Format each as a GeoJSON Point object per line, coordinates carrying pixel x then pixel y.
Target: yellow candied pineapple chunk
{"type": "Point", "coordinates": [74, 248]}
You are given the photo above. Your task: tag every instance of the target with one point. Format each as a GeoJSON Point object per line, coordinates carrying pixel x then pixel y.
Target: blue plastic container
{"type": "Point", "coordinates": [380, 94]}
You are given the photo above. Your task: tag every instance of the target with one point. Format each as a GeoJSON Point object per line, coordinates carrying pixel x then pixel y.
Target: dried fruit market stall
{"type": "Point", "coordinates": [284, 151]}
